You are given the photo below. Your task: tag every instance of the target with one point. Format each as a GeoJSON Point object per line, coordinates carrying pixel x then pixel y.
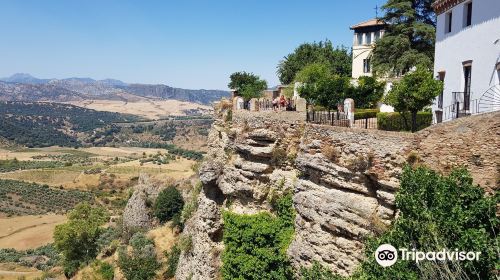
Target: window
{"type": "Point", "coordinates": [366, 65]}
{"type": "Point", "coordinates": [467, 14]}
{"type": "Point", "coordinates": [368, 38]}
{"type": "Point", "coordinates": [441, 95]}
{"type": "Point", "coordinates": [377, 36]}
{"type": "Point", "coordinates": [448, 21]}
{"type": "Point", "coordinates": [467, 82]}
{"type": "Point", "coordinates": [359, 39]}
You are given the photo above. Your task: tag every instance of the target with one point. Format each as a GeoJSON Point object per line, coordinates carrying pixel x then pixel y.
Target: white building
{"type": "Point", "coordinates": [467, 57]}
{"type": "Point", "coordinates": [365, 35]}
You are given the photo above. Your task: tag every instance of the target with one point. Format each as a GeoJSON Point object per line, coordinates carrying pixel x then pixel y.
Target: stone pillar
{"type": "Point", "coordinates": [300, 105]}
{"type": "Point", "coordinates": [253, 105]}
{"type": "Point", "coordinates": [349, 110]}
{"type": "Point", "coordinates": [235, 103]}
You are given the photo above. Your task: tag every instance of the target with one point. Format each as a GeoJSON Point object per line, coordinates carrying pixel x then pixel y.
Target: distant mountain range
{"type": "Point", "coordinates": [24, 87]}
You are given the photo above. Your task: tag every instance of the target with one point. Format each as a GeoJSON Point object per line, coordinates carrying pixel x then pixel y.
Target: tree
{"type": "Point", "coordinates": [338, 60]}
{"type": "Point", "coordinates": [439, 212]}
{"type": "Point", "coordinates": [141, 262]}
{"type": "Point", "coordinates": [412, 93]}
{"type": "Point", "coordinates": [320, 87]}
{"type": "Point", "coordinates": [367, 93]}
{"type": "Point", "coordinates": [248, 85]}
{"type": "Point", "coordinates": [409, 37]}
{"type": "Point", "coordinates": [77, 239]}
{"type": "Point", "coordinates": [168, 204]}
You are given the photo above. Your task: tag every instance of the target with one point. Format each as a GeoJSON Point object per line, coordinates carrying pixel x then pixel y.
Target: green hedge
{"type": "Point", "coordinates": [395, 122]}
{"type": "Point", "coordinates": [365, 113]}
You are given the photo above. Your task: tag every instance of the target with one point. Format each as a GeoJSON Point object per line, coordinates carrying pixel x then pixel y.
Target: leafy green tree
{"type": "Point", "coordinates": [248, 85]}
{"type": "Point", "coordinates": [367, 93]}
{"type": "Point", "coordinates": [409, 37]}
{"type": "Point", "coordinates": [320, 87]}
{"type": "Point", "coordinates": [141, 262]}
{"type": "Point", "coordinates": [338, 60]}
{"type": "Point", "coordinates": [255, 245]}
{"type": "Point", "coordinates": [168, 204]}
{"type": "Point", "coordinates": [439, 212]}
{"type": "Point", "coordinates": [413, 92]}
{"type": "Point", "coordinates": [77, 238]}
{"type": "Point", "coordinates": [253, 90]}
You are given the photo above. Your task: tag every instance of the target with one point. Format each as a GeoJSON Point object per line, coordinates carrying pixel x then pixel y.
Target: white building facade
{"type": "Point", "coordinates": [467, 57]}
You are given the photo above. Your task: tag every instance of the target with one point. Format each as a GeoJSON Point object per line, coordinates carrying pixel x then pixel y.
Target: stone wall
{"type": "Point", "coordinates": [343, 180]}
{"type": "Point", "coordinates": [473, 142]}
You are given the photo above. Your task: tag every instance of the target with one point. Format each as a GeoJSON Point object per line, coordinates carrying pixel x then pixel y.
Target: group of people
{"type": "Point", "coordinates": [280, 103]}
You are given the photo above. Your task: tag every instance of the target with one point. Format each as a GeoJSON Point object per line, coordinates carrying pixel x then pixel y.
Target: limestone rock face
{"type": "Point", "coordinates": [136, 214]}
{"type": "Point", "coordinates": [343, 183]}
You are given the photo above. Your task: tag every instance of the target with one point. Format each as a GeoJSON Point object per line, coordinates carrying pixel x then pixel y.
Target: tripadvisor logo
{"type": "Point", "coordinates": [386, 255]}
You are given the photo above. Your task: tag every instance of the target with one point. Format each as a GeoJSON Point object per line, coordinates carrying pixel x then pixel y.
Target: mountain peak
{"type": "Point", "coordinates": [24, 78]}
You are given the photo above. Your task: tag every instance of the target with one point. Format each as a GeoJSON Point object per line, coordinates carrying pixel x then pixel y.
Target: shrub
{"type": "Point", "coordinates": [168, 204]}
{"type": "Point", "coordinates": [191, 206]}
{"type": "Point", "coordinates": [278, 156]}
{"type": "Point", "coordinates": [331, 153]}
{"type": "Point", "coordinates": [396, 122]}
{"type": "Point", "coordinates": [141, 263]}
{"type": "Point", "coordinates": [255, 245]}
{"type": "Point", "coordinates": [317, 272]}
{"type": "Point", "coordinates": [365, 113]}
{"type": "Point", "coordinates": [186, 243]}
{"type": "Point", "coordinates": [105, 270]}
{"type": "Point", "coordinates": [172, 261]}
{"type": "Point", "coordinates": [438, 212]}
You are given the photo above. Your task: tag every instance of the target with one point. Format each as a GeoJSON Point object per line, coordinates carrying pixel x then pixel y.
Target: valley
{"type": "Point", "coordinates": [55, 156]}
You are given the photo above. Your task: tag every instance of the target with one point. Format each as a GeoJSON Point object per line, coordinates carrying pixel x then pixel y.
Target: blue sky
{"type": "Point", "coordinates": [188, 43]}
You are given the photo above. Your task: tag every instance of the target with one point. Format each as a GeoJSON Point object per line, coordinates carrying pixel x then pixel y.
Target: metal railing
{"type": "Point", "coordinates": [330, 118]}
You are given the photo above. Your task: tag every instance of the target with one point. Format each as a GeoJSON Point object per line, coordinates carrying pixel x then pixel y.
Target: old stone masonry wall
{"type": "Point", "coordinates": [343, 181]}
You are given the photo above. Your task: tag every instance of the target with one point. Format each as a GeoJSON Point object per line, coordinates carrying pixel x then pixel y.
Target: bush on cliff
{"type": "Point", "coordinates": [168, 205]}
{"type": "Point", "coordinates": [438, 212]}
{"type": "Point", "coordinates": [140, 263]}
{"type": "Point", "coordinates": [255, 245]}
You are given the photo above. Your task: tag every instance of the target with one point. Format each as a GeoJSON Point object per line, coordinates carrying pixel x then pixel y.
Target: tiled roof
{"type": "Point", "coordinates": [440, 6]}
{"type": "Point", "coordinates": [371, 22]}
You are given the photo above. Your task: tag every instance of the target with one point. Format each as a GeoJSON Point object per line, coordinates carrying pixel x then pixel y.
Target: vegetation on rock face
{"type": "Point", "coordinates": [248, 85]}
{"type": "Point", "coordinates": [337, 60]}
{"type": "Point", "coordinates": [141, 262]}
{"type": "Point", "coordinates": [317, 272]}
{"type": "Point", "coordinates": [409, 37]}
{"type": "Point", "coordinates": [172, 261]}
{"type": "Point", "coordinates": [168, 204]}
{"type": "Point", "coordinates": [255, 245]}
{"type": "Point", "coordinates": [191, 206]}
{"type": "Point", "coordinates": [414, 92]}
{"type": "Point", "coordinates": [439, 212]}
{"type": "Point", "coordinates": [77, 239]}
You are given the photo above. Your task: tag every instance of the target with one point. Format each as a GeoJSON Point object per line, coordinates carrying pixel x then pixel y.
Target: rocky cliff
{"type": "Point", "coordinates": [343, 183]}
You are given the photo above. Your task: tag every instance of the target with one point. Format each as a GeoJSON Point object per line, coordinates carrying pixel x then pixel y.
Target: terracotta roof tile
{"type": "Point", "coordinates": [371, 22]}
